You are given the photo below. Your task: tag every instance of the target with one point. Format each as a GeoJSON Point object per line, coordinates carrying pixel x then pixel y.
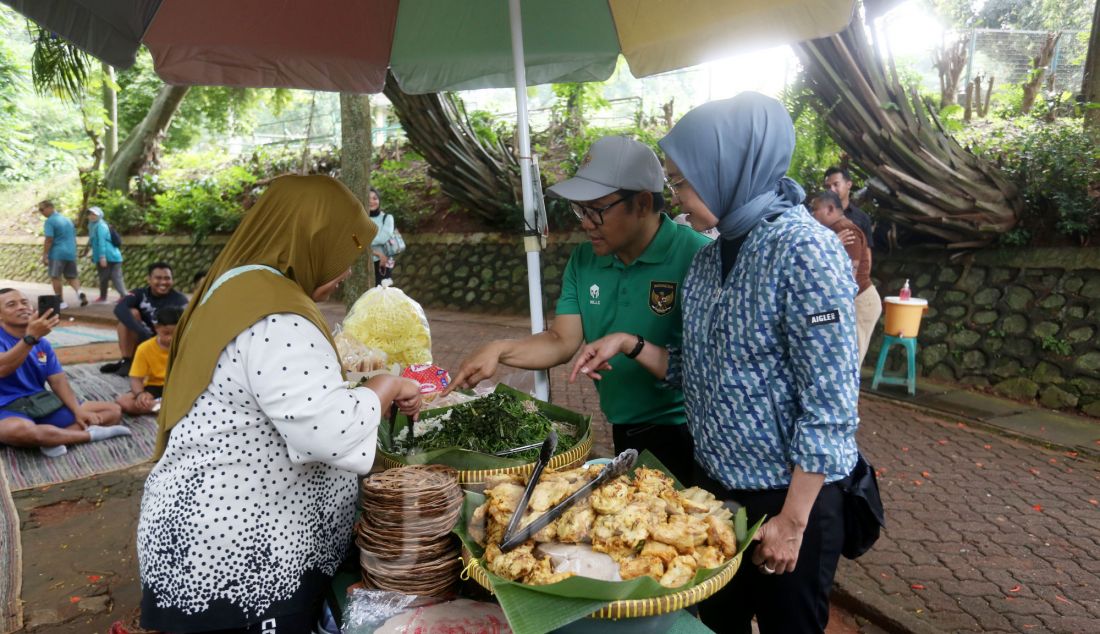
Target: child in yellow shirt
{"type": "Point", "coordinates": [149, 369]}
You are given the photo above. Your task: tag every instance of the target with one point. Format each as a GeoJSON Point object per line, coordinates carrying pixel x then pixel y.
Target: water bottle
{"type": "Point", "coordinates": [904, 294]}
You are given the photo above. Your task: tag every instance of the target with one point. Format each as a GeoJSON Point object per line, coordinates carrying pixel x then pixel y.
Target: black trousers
{"type": "Point", "coordinates": [672, 444]}
{"type": "Point", "coordinates": [795, 602]}
{"type": "Point", "coordinates": [288, 624]}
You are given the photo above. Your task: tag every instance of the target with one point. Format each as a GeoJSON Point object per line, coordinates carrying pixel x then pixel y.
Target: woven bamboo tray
{"type": "Point", "coordinates": [575, 457]}
{"type": "Point", "coordinates": [632, 608]}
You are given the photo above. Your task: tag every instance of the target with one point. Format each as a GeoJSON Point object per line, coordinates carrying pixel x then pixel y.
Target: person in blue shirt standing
{"type": "Point", "coordinates": [768, 363]}
{"type": "Point", "coordinates": [105, 255]}
{"type": "Point", "coordinates": [59, 252]}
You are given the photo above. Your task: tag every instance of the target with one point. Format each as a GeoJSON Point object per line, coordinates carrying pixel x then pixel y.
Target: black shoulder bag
{"type": "Point", "coordinates": [863, 513]}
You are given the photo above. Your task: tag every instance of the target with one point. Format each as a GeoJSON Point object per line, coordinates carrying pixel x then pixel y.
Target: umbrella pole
{"type": "Point", "coordinates": [531, 238]}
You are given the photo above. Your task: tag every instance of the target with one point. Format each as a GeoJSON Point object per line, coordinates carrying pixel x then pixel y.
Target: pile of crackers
{"type": "Point", "coordinates": [404, 532]}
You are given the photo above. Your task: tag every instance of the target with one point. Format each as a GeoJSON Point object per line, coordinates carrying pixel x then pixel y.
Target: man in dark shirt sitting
{"type": "Point", "coordinates": [136, 314]}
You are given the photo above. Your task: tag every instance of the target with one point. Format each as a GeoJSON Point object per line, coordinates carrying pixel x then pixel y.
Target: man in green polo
{"type": "Point", "coordinates": [626, 278]}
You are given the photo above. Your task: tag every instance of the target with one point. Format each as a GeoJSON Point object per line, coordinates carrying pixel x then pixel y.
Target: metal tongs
{"type": "Point", "coordinates": [620, 465]}
{"type": "Point", "coordinates": [548, 447]}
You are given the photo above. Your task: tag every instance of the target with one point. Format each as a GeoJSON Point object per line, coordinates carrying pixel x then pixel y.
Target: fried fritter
{"type": "Point", "coordinates": [679, 571]}
{"type": "Point", "coordinates": [638, 566]}
{"type": "Point", "coordinates": [575, 525]}
{"type": "Point", "coordinates": [544, 574]}
{"type": "Point", "coordinates": [720, 535]}
{"type": "Point", "coordinates": [612, 497]}
{"type": "Point", "coordinates": [515, 564]}
{"type": "Point", "coordinates": [664, 552]}
{"type": "Point", "coordinates": [476, 526]}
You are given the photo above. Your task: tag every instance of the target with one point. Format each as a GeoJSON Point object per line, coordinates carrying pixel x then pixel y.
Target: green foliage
{"type": "Point", "coordinates": [488, 128]}
{"type": "Point", "coordinates": [1053, 164]}
{"type": "Point", "coordinates": [400, 185]}
{"type": "Point", "coordinates": [814, 149]}
{"type": "Point", "coordinates": [1057, 346]}
{"type": "Point", "coordinates": [208, 205]}
{"type": "Point", "coordinates": [120, 210]}
{"type": "Point", "coordinates": [58, 67]}
{"type": "Point", "coordinates": [1044, 15]}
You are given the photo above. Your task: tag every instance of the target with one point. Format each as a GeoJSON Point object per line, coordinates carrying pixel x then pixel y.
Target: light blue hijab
{"type": "Point", "coordinates": [735, 153]}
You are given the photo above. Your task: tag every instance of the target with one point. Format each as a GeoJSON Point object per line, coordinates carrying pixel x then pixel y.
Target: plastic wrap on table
{"type": "Point", "coordinates": [461, 616]}
{"type": "Point", "coordinates": [367, 610]}
{"type": "Point", "coordinates": [386, 318]}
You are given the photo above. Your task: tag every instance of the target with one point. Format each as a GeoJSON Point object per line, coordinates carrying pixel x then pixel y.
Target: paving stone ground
{"type": "Point", "coordinates": [985, 533]}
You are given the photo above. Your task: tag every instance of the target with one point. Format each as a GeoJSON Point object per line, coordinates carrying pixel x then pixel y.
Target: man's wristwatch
{"type": "Point", "coordinates": [637, 348]}
{"type": "Point", "coordinates": [30, 340]}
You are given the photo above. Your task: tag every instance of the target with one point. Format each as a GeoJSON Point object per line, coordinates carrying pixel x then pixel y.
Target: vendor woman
{"type": "Point", "coordinates": [249, 510]}
{"type": "Point", "coordinates": [768, 364]}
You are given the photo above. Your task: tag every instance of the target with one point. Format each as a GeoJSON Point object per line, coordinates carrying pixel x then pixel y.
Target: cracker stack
{"type": "Point", "coordinates": [404, 533]}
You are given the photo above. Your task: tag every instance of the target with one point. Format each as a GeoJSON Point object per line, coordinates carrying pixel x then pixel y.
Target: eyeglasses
{"type": "Point", "coordinates": [678, 186]}
{"type": "Point", "coordinates": [594, 214]}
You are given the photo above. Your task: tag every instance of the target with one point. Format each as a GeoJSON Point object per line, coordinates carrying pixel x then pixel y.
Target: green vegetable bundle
{"type": "Point", "coordinates": [503, 420]}
{"type": "Point", "coordinates": [492, 424]}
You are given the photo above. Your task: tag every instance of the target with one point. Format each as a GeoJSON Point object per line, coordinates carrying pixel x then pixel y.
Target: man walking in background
{"type": "Point", "coordinates": [59, 252]}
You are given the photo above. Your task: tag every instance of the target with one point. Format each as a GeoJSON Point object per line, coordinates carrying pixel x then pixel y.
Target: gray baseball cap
{"type": "Point", "coordinates": [613, 163]}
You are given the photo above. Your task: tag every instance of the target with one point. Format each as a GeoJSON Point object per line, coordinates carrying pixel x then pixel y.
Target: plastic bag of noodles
{"type": "Point", "coordinates": [387, 319]}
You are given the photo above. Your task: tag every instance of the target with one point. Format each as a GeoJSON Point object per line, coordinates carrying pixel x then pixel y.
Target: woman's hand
{"type": "Point", "coordinates": [145, 400]}
{"type": "Point", "coordinates": [593, 358]}
{"type": "Point", "coordinates": [780, 540]}
{"type": "Point", "coordinates": [408, 398]}
{"type": "Point", "coordinates": [383, 259]}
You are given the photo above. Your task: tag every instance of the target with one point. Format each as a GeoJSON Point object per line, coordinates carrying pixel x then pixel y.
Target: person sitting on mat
{"type": "Point", "coordinates": [150, 367]}
{"type": "Point", "coordinates": [31, 415]}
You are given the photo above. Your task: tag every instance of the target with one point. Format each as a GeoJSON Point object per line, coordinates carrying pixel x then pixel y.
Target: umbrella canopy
{"type": "Point", "coordinates": [431, 45]}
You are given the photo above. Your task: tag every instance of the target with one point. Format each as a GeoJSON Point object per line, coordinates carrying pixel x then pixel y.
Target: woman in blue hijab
{"type": "Point", "coordinates": [768, 365]}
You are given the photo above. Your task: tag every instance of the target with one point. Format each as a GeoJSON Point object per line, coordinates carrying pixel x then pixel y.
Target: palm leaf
{"type": "Point", "coordinates": [58, 67]}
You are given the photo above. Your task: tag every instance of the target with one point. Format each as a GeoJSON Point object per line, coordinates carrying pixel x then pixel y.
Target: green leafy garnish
{"type": "Point", "coordinates": [491, 424]}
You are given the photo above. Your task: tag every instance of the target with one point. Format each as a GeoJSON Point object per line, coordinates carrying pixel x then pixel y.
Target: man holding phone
{"type": "Point", "coordinates": [31, 415]}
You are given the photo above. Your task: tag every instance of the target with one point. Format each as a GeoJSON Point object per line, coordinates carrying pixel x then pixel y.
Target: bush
{"type": "Point", "coordinates": [1053, 164]}
{"type": "Point", "coordinates": [201, 207]}
{"type": "Point", "coordinates": [400, 185]}
{"type": "Point", "coordinates": [120, 210]}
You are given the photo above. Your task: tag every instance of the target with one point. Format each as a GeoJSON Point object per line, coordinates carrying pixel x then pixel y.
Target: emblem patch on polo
{"type": "Point", "coordinates": [820, 319]}
{"type": "Point", "coordinates": [662, 297]}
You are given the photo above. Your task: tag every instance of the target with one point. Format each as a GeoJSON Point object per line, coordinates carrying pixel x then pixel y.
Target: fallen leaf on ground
{"type": "Point", "coordinates": [74, 599]}
{"type": "Point", "coordinates": [917, 482]}
{"type": "Point", "coordinates": [926, 474]}
{"type": "Point", "coordinates": [1015, 588]}
{"type": "Point", "coordinates": [94, 578]}
{"type": "Point", "coordinates": [905, 449]}
{"type": "Point", "coordinates": [1062, 599]}
{"type": "Point", "coordinates": [1033, 471]}
{"type": "Point", "coordinates": [941, 441]}
{"type": "Point", "coordinates": [917, 586]}
{"type": "Point", "coordinates": [987, 446]}
{"type": "Point", "coordinates": [1037, 508]}
{"type": "Point", "coordinates": [1071, 454]}
{"type": "Point", "coordinates": [1094, 502]}
{"type": "Point", "coordinates": [979, 464]}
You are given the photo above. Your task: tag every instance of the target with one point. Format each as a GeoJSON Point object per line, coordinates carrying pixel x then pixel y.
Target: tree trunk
{"type": "Point", "coordinates": [1039, 65]}
{"type": "Point", "coordinates": [1090, 85]}
{"type": "Point", "coordinates": [110, 108]}
{"type": "Point", "coordinates": [484, 180]}
{"type": "Point", "coordinates": [141, 144]}
{"type": "Point", "coordinates": [950, 62]}
{"type": "Point", "coordinates": [920, 176]}
{"type": "Point", "coordinates": [355, 160]}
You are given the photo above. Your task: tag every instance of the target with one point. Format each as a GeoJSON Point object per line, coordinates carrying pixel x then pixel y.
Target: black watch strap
{"type": "Point", "coordinates": [637, 348]}
{"type": "Point", "coordinates": [30, 340]}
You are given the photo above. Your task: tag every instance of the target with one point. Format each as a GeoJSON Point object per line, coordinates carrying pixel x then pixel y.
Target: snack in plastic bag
{"type": "Point", "coordinates": [356, 356]}
{"type": "Point", "coordinates": [432, 379]}
{"type": "Point", "coordinates": [387, 319]}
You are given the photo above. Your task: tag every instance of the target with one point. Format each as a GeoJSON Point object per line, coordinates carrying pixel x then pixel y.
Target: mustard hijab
{"type": "Point", "coordinates": [310, 229]}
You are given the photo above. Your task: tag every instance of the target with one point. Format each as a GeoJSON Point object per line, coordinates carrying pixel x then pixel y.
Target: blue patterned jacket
{"type": "Point", "coordinates": [768, 365]}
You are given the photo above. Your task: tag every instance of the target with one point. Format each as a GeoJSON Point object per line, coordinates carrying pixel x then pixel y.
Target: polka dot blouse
{"type": "Point", "coordinates": [256, 490]}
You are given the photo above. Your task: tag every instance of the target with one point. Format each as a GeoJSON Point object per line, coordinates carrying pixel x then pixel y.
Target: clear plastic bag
{"type": "Point", "coordinates": [356, 356]}
{"type": "Point", "coordinates": [367, 610]}
{"type": "Point", "coordinates": [387, 319]}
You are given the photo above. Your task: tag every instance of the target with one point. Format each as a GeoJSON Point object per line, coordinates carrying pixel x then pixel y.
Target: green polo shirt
{"type": "Point", "coordinates": [643, 298]}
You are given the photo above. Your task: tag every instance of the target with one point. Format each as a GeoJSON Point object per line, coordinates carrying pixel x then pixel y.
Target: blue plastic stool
{"type": "Point", "coordinates": [910, 380]}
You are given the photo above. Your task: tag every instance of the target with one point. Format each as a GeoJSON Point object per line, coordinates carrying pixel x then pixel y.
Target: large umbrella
{"type": "Point", "coordinates": [431, 46]}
